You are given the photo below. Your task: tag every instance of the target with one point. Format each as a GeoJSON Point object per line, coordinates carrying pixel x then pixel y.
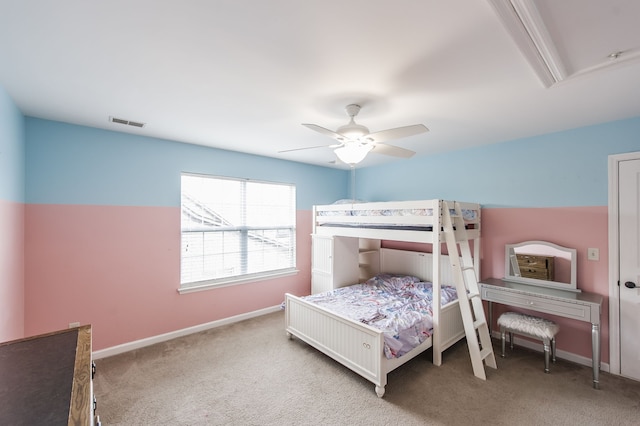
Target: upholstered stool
{"type": "Point", "coordinates": [530, 326]}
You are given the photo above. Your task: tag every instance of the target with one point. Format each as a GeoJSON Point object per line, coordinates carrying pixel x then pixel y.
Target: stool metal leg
{"type": "Point", "coordinates": [510, 340]}
{"type": "Point", "coordinates": [502, 341]}
{"type": "Point", "coordinates": [553, 349]}
{"type": "Point", "coordinates": [546, 355]}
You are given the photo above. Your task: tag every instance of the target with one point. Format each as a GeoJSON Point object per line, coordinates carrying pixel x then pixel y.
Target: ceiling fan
{"type": "Point", "coordinates": [355, 140]}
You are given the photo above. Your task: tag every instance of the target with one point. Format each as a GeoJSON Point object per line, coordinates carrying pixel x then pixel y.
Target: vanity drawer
{"type": "Point", "coordinates": [566, 309]}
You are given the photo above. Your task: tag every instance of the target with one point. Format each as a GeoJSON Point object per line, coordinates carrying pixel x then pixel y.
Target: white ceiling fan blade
{"type": "Point", "coordinates": [308, 147]}
{"type": "Point", "coordinates": [394, 151]}
{"type": "Point", "coordinates": [397, 133]}
{"type": "Point", "coordinates": [327, 132]}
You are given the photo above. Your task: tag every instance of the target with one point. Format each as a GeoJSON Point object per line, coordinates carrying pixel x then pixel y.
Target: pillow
{"type": "Point", "coordinates": [396, 281]}
{"type": "Point", "coordinates": [348, 201]}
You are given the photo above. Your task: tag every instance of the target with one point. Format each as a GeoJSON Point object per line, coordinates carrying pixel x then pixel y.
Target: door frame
{"type": "Point", "coordinates": [614, 260]}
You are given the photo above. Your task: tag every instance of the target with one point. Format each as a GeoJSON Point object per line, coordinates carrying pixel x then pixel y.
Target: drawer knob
{"type": "Point", "coordinates": [629, 284]}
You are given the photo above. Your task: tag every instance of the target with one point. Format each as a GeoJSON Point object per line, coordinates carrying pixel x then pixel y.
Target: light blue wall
{"type": "Point", "coordinates": [12, 156]}
{"type": "Point", "coordinates": [555, 170]}
{"type": "Point", "coordinates": [69, 164]}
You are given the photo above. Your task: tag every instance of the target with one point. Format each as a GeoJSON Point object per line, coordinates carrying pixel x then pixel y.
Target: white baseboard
{"type": "Point", "coordinates": [569, 356]}
{"type": "Point", "coordinates": [126, 347]}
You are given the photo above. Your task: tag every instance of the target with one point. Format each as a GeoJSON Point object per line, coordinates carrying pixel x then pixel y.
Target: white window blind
{"type": "Point", "coordinates": [235, 230]}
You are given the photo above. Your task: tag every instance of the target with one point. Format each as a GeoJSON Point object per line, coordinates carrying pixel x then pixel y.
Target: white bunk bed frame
{"type": "Point", "coordinates": [357, 345]}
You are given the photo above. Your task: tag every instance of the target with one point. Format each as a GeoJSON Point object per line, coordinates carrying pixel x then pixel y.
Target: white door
{"type": "Point", "coordinates": [629, 242]}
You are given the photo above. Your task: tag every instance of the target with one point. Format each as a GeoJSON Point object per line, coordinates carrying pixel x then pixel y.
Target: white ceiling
{"type": "Point", "coordinates": [244, 74]}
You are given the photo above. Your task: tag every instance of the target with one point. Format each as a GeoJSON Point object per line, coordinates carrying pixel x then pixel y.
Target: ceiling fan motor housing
{"type": "Point", "coordinates": [352, 130]}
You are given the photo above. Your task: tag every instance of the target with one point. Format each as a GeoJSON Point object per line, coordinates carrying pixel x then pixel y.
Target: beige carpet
{"type": "Point", "coordinates": [249, 373]}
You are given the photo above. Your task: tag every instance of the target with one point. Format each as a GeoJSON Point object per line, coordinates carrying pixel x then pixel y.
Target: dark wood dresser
{"type": "Point", "coordinates": [48, 379]}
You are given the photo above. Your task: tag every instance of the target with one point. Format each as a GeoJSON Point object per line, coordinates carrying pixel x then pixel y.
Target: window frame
{"type": "Point", "coordinates": [244, 229]}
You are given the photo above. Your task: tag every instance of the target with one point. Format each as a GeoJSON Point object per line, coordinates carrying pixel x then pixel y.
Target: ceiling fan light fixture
{"type": "Point", "coordinates": [353, 152]}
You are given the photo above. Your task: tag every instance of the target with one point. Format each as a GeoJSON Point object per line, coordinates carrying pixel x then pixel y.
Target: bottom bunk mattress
{"type": "Point", "coordinates": [398, 305]}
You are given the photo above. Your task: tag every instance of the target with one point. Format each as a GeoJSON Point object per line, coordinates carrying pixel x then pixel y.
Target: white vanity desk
{"type": "Point", "coordinates": [548, 298]}
{"type": "Point", "coordinates": [581, 306]}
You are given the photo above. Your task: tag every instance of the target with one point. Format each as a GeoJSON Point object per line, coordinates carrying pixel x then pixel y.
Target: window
{"type": "Point", "coordinates": [235, 230]}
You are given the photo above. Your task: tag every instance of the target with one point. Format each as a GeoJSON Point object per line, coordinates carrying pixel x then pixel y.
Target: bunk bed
{"type": "Point", "coordinates": [358, 345]}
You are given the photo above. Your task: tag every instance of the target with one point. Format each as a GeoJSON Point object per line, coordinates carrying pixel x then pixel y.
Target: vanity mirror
{"type": "Point", "coordinates": [541, 263]}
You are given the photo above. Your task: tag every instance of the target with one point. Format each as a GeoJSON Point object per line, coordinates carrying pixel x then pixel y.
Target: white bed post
{"type": "Point", "coordinates": [476, 249]}
{"type": "Point", "coordinates": [436, 279]}
{"type": "Point", "coordinates": [315, 222]}
{"type": "Point", "coordinates": [476, 258]}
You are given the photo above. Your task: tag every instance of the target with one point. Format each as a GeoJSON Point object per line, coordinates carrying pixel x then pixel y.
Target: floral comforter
{"type": "Point", "coordinates": [398, 305]}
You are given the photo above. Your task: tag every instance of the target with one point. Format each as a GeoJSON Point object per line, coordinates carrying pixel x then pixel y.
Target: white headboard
{"type": "Point", "coordinates": [415, 263]}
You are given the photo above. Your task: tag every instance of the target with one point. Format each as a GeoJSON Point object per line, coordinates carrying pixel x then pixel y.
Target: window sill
{"type": "Point", "coordinates": [208, 285]}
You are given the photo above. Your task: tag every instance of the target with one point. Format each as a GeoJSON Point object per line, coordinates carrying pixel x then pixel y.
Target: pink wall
{"type": "Point", "coordinates": [118, 268]}
{"type": "Point", "coordinates": [11, 270]}
{"type": "Point", "coordinates": [574, 227]}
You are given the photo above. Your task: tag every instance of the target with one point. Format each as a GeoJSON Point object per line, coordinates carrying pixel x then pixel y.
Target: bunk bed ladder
{"type": "Point", "coordinates": [466, 281]}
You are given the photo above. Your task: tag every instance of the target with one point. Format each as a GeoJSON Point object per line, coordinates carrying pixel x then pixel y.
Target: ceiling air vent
{"type": "Point", "coordinates": [126, 122]}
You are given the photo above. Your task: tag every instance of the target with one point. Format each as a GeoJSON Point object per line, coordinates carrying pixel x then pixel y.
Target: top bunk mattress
{"type": "Point", "coordinates": [409, 215]}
